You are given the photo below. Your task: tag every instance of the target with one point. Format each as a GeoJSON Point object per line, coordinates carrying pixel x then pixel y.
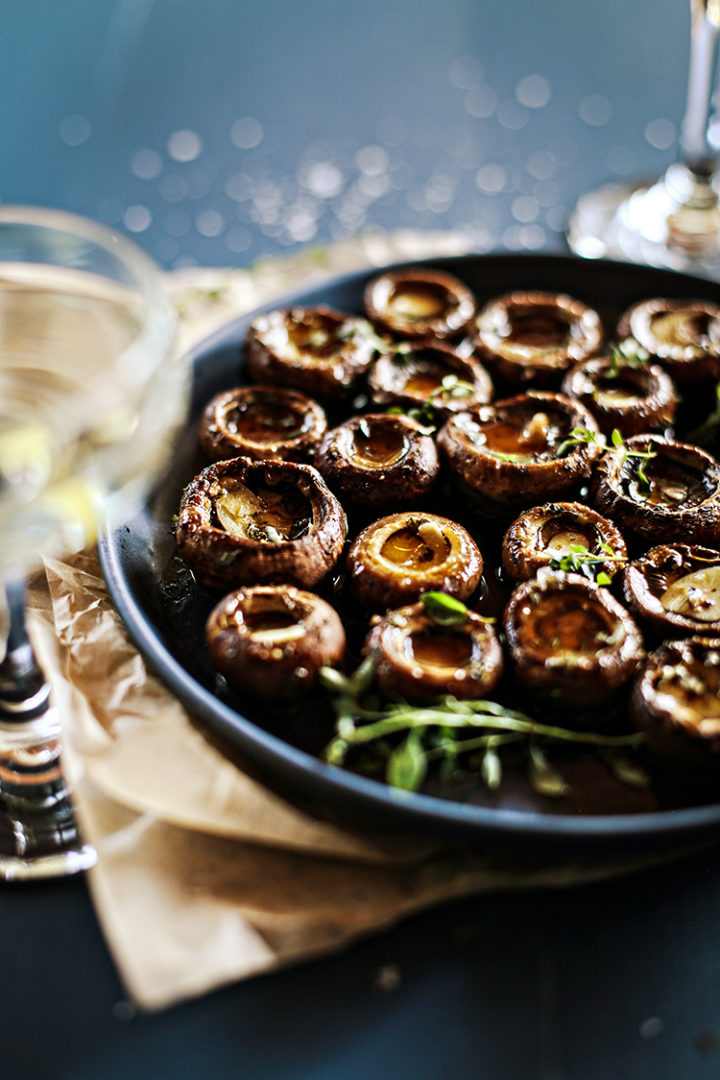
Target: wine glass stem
{"type": "Point", "coordinates": [24, 691]}
{"type": "Point", "coordinates": [697, 153]}
{"type": "Point", "coordinates": [38, 834]}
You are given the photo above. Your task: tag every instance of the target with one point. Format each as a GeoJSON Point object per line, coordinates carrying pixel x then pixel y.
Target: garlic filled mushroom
{"type": "Point", "coordinates": [676, 704]}
{"type": "Point", "coordinates": [536, 336]}
{"type": "Point", "coordinates": [318, 350]}
{"type": "Point", "coordinates": [378, 461]}
{"type": "Point", "coordinates": [243, 523]}
{"type": "Point", "coordinates": [419, 303]}
{"type": "Point", "coordinates": [429, 376]}
{"type": "Point", "coordinates": [429, 649]}
{"type": "Point", "coordinates": [658, 490]}
{"type": "Point", "coordinates": [261, 422]}
{"type": "Point", "coordinates": [570, 641]}
{"type": "Point", "coordinates": [674, 589]}
{"type": "Point", "coordinates": [563, 535]}
{"type": "Point", "coordinates": [524, 449]}
{"type": "Point", "coordinates": [681, 335]}
{"type": "Point", "coordinates": [396, 559]}
{"type": "Point", "coordinates": [632, 398]}
{"type": "Point", "coordinates": [271, 640]}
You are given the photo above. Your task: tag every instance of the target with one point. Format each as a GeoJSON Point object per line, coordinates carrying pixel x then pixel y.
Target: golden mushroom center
{"type": "Point", "coordinates": [443, 650]}
{"type": "Point", "coordinates": [272, 621]}
{"type": "Point", "coordinates": [527, 336]}
{"type": "Point", "coordinates": [267, 515]}
{"type": "Point", "coordinates": [691, 693]}
{"type": "Point", "coordinates": [685, 327]}
{"type": "Point", "coordinates": [379, 445]}
{"type": "Point", "coordinates": [416, 548]}
{"type": "Point", "coordinates": [566, 623]}
{"type": "Point", "coordinates": [265, 422]}
{"type": "Point", "coordinates": [418, 302]}
{"type": "Point", "coordinates": [696, 595]}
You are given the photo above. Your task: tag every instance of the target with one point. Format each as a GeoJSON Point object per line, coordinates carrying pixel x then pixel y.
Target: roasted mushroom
{"type": "Point", "coordinates": [565, 535]}
{"type": "Point", "coordinates": [378, 461]}
{"type": "Point", "coordinates": [660, 491]}
{"type": "Point", "coordinates": [536, 336]}
{"type": "Point", "coordinates": [271, 640]}
{"type": "Point", "coordinates": [419, 658]}
{"type": "Point", "coordinates": [570, 641]}
{"type": "Point", "coordinates": [675, 590]}
{"type": "Point", "coordinates": [396, 559]}
{"type": "Point", "coordinates": [429, 376]}
{"type": "Point", "coordinates": [630, 397]}
{"type": "Point", "coordinates": [419, 303]}
{"type": "Point", "coordinates": [318, 350]}
{"type": "Point", "coordinates": [676, 704]}
{"type": "Point", "coordinates": [527, 448]}
{"type": "Point", "coordinates": [681, 335]}
{"type": "Point", "coordinates": [245, 522]}
{"type": "Point", "coordinates": [261, 422]}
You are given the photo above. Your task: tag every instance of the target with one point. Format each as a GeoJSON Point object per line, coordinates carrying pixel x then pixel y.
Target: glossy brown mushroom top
{"type": "Point", "coordinates": [571, 640]}
{"type": "Point", "coordinates": [633, 398]}
{"type": "Point", "coordinates": [429, 376]}
{"type": "Point", "coordinates": [399, 557]}
{"type": "Point", "coordinates": [522, 449]}
{"type": "Point", "coordinates": [261, 422]}
{"type": "Point", "coordinates": [682, 335]}
{"type": "Point", "coordinates": [672, 494]}
{"type": "Point", "coordinates": [676, 703]}
{"type": "Point", "coordinates": [243, 522]}
{"type": "Point", "coordinates": [419, 303]}
{"type": "Point", "coordinates": [271, 640]}
{"type": "Point", "coordinates": [675, 589]}
{"type": "Point", "coordinates": [318, 350]}
{"type": "Point", "coordinates": [418, 658]}
{"type": "Point", "coordinates": [564, 532]}
{"type": "Point", "coordinates": [536, 336]}
{"type": "Point", "coordinates": [377, 460]}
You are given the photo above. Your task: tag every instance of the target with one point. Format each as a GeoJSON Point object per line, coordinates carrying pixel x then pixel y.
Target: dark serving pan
{"type": "Point", "coordinates": [165, 616]}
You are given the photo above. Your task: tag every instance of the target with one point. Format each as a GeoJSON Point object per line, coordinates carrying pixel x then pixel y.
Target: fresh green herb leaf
{"type": "Point", "coordinates": [603, 578]}
{"type": "Point", "coordinates": [543, 777]}
{"type": "Point", "coordinates": [444, 609]}
{"type": "Point", "coordinates": [407, 765]}
{"type": "Point", "coordinates": [227, 558]}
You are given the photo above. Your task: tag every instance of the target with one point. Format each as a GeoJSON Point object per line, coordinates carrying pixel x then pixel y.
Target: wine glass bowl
{"type": "Point", "coordinates": [90, 401]}
{"type": "Point", "coordinates": [675, 220]}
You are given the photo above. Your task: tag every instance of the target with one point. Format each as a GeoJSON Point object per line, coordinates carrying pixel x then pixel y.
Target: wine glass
{"type": "Point", "coordinates": [90, 399]}
{"type": "Point", "coordinates": [674, 222]}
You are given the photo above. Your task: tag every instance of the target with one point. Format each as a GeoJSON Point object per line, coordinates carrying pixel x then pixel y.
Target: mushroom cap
{"type": "Point", "coordinates": [271, 640]}
{"type": "Point", "coordinates": [223, 557]}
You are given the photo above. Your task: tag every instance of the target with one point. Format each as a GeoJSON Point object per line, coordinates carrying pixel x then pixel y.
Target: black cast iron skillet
{"type": "Point", "coordinates": [165, 613]}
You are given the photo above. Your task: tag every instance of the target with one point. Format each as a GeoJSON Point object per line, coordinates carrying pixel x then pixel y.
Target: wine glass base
{"type": "Point", "coordinates": [53, 865]}
{"type": "Point", "coordinates": [628, 222]}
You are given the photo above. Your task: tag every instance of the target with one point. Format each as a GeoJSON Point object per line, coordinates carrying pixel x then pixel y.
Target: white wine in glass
{"type": "Point", "coordinates": [90, 400]}
{"type": "Point", "coordinates": [674, 222]}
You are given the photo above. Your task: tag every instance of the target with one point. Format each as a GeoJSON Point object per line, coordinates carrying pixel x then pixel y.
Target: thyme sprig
{"type": "Point", "coordinates": [409, 738]}
{"type": "Point", "coordinates": [579, 560]}
{"type": "Point", "coordinates": [619, 447]}
{"type": "Point", "coordinates": [451, 387]}
{"type": "Point", "coordinates": [626, 354]}
{"type": "Point", "coordinates": [580, 436]}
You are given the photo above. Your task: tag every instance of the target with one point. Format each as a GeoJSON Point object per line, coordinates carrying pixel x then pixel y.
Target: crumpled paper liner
{"type": "Point", "coordinates": [204, 876]}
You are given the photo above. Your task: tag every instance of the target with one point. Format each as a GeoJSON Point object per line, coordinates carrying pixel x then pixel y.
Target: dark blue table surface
{"type": "Point", "coordinates": [218, 132]}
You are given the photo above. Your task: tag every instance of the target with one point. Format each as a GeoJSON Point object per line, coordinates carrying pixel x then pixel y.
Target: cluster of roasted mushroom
{"type": "Point", "coordinates": [554, 448]}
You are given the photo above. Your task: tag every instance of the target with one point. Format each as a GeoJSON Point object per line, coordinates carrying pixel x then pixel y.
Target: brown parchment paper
{"type": "Point", "coordinates": [204, 876]}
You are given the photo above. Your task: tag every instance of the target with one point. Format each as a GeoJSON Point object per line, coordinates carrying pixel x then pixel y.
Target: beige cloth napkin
{"type": "Point", "coordinates": [204, 876]}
